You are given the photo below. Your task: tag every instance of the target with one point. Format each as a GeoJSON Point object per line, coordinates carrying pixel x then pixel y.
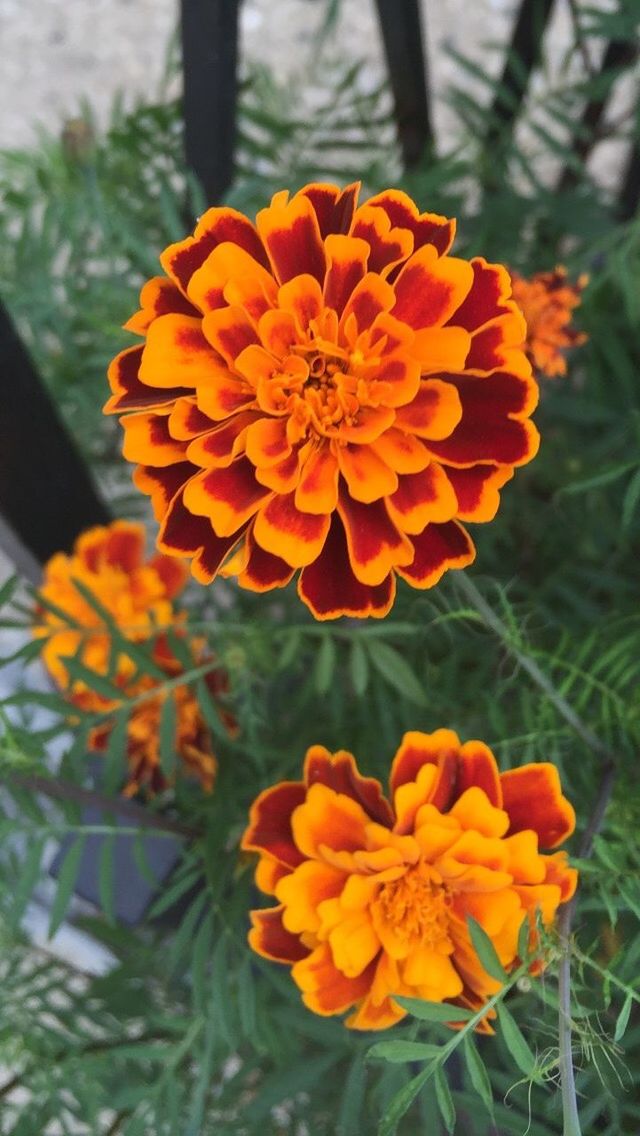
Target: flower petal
{"type": "Point", "coordinates": [417, 749]}
{"type": "Point", "coordinates": [147, 439]}
{"type": "Point", "coordinates": [487, 298]}
{"type": "Point", "coordinates": [329, 588]}
{"type": "Point", "coordinates": [325, 990]}
{"type": "Point", "coordinates": [347, 264]}
{"type": "Point", "coordinates": [131, 394]}
{"type": "Point", "coordinates": [441, 348]}
{"type": "Point", "coordinates": [401, 452]}
{"type": "Point", "coordinates": [256, 569]}
{"type": "Point", "coordinates": [229, 331]}
{"type": "Point", "coordinates": [176, 353]}
{"type": "Point", "coordinates": [181, 260]}
{"type": "Point", "coordinates": [475, 812]}
{"type": "Point", "coordinates": [291, 235]}
{"type": "Point", "coordinates": [369, 299]}
{"type": "Point", "coordinates": [328, 819]}
{"type": "Point", "coordinates": [161, 485]}
{"type": "Point", "coordinates": [339, 772]}
{"type": "Point", "coordinates": [220, 446]}
{"type": "Point", "coordinates": [229, 496]}
{"type": "Point", "coordinates": [317, 489]}
{"type": "Point", "coordinates": [500, 344]}
{"type": "Point", "coordinates": [296, 537]}
{"type": "Point", "coordinates": [430, 288]}
{"type": "Point", "coordinates": [434, 413]}
{"type": "Point", "coordinates": [269, 938]}
{"type": "Point", "coordinates": [478, 767]}
{"type": "Point", "coordinates": [388, 245]}
{"type": "Point", "coordinates": [302, 298]}
{"type": "Point", "coordinates": [334, 207]}
{"type": "Point", "coordinates": [208, 286]}
{"type": "Point", "coordinates": [533, 799]}
{"type": "Point", "coordinates": [477, 489]}
{"type": "Point", "coordinates": [494, 427]}
{"type": "Point", "coordinates": [422, 498]}
{"type": "Point", "coordinates": [303, 889]}
{"type": "Point", "coordinates": [158, 297]}
{"type": "Point", "coordinates": [427, 228]}
{"type": "Point", "coordinates": [267, 442]}
{"type": "Point", "coordinates": [368, 477]}
{"type": "Point", "coordinates": [269, 828]}
{"type": "Point", "coordinates": [375, 545]}
{"type": "Point", "coordinates": [183, 534]}
{"type": "Point", "coordinates": [186, 421]}
{"type": "Point", "coordinates": [438, 548]}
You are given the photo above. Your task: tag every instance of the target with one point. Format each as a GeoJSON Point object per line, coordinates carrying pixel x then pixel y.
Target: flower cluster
{"type": "Point", "coordinates": [547, 301]}
{"type": "Point", "coordinates": [373, 895]}
{"type": "Point", "coordinates": [328, 391]}
{"type": "Point", "coordinates": [137, 593]}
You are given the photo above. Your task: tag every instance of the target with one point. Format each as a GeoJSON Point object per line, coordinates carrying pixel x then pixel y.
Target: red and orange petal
{"type": "Point", "coordinates": [374, 896]}
{"type": "Point", "coordinates": [326, 392]}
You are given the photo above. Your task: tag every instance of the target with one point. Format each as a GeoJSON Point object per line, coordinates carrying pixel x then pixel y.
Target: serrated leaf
{"type": "Point", "coordinates": [96, 682]}
{"type": "Point", "coordinates": [478, 1073]}
{"type": "Point", "coordinates": [486, 951]}
{"type": "Point", "coordinates": [67, 877]}
{"type": "Point", "coordinates": [396, 672]}
{"type": "Point", "coordinates": [325, 665]}
{"type": "Point", "coordinates": [434, 1011]}
{"type": "Point", "coordinates": [623, 1018]}
{"type": "Point", "coordinates": [398, 1052]}
{"type": "Point", "coordinates": [520, 1050]}
{"type": "Point", "coordinates": [30, 870]}
{"type": "Point", "coordinates": [445, 1100]}
{"type": "Point", "coordinates": [359, 668]}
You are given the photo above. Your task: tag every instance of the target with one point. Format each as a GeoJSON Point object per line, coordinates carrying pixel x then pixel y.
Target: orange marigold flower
{"type": "Point", "coordinates": [373, 897]}
{"type": "Point", "coordinates": [329, 391]}
{"type": "Point", "coordinates": [192, 739]}
{"type": "Point", "coordinates": [547, 301]}
{"type": "Point", "coordinates": [110, 561]}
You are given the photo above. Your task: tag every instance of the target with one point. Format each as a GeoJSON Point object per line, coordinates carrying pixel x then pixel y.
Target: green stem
{"type": "Point", "coordinates": [494, 623]}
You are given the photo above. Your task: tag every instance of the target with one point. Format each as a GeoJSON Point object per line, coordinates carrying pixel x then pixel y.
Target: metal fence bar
{"type": "Point", "coordinates": [619, 55]}
{"type": "Point", "coordinates": [401, 27]}
{"type": "Point", "coordinates": [46, 495]}
{"type": "Point", "coordinates": [523, 55]}
{"type": "Point", "coordinates": [209, 31]}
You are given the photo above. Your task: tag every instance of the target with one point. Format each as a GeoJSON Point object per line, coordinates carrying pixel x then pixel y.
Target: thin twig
{"type": "Point", "coordinates": [90, 798]}
{"type": "Point", "coordinates": [495, 624]}
{"type": "Point", "coordinates": [565, 919]}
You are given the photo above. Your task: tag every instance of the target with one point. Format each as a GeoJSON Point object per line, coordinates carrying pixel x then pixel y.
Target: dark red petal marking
{"type": "Point", "coordinates": [330, 589]}
{"type": "Point", "coordinates": [342, 776]}
{"type": "Point", "coordinates": [487, 296]}
{"type": "Point", "coordinates": [333, 208]}
{"type": "Point", "coordinates": [270, 823]}
{"type": "Point", "coordinates": [128, 392]}
{"type": "Point", "coordinates": [270, 938]}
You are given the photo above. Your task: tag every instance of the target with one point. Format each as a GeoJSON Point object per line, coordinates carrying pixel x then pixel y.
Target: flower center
{"type": "Point", "coordinates": [417, 907]}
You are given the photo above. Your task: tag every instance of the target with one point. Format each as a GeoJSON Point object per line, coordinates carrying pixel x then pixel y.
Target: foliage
{"type": "Point", "coordinates": [189, 1032]}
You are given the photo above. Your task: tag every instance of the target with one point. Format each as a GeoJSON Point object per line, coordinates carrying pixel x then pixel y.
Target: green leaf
{"type": "Point", "coordinates": [167, 736]}
{"type": "Point", "coordinates": [445, 1100]}
{"type": "Point", "coordinates": [349, 1121]}
{"type": "Point", "coordinates": [105, 877]}
{"type": "Point", "coordinates": [67, 877]}
{"type": "Point", "coordinates": [96, 682]}
{"type": "Point", "coordinates": [478, 1072]}
{"type": "Point", "coordinates": [516, 1044]}
{"type": "Point", "coordinates": [404, 1099]}
{"type": "Point", "coordinates": [396, 672]}
{"type": "Point", "coordinates": [434, 1011]}
{"type": "Point", "coordinates": [399, 1051]}
{"type": "Point", "coordinates": [115, 763]}
{"type": "Point", "coordinates": [325, 665]}
{"type": "Point", "coordinates": [486, 951]}
{"type": "Point", "coordinates": [27, 880]}
{"type": "Point", "coordinates": [623, 1018]}
{"type": "Point", "coordinates": [631, 500]}
{"type": "Point", "coordinates": [523, 939]}
{"type": "Point", "coordinates": [597, 481]}
{"type": "Point", "coordinates": [359, 668]}
{"type": "Point", "coordinates": [7, 590]}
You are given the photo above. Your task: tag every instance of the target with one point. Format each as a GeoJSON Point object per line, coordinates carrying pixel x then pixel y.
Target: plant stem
{"type": "Point", "coordinates": [494, 623]}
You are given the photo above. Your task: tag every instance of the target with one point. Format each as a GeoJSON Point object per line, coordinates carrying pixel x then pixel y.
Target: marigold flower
{"type": "Point", "coordinates": [373, 897]}
{"type": "Point", "coordinates": [110, 561]}
{"type": "Point", "coordinates": [192, 740]}
{"type": "Point", "coordinates": [547, 301]}
{"type": "Point", "coordinates": [328, 391]}
{"type": "Point", "coordinates": [137, 593]}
